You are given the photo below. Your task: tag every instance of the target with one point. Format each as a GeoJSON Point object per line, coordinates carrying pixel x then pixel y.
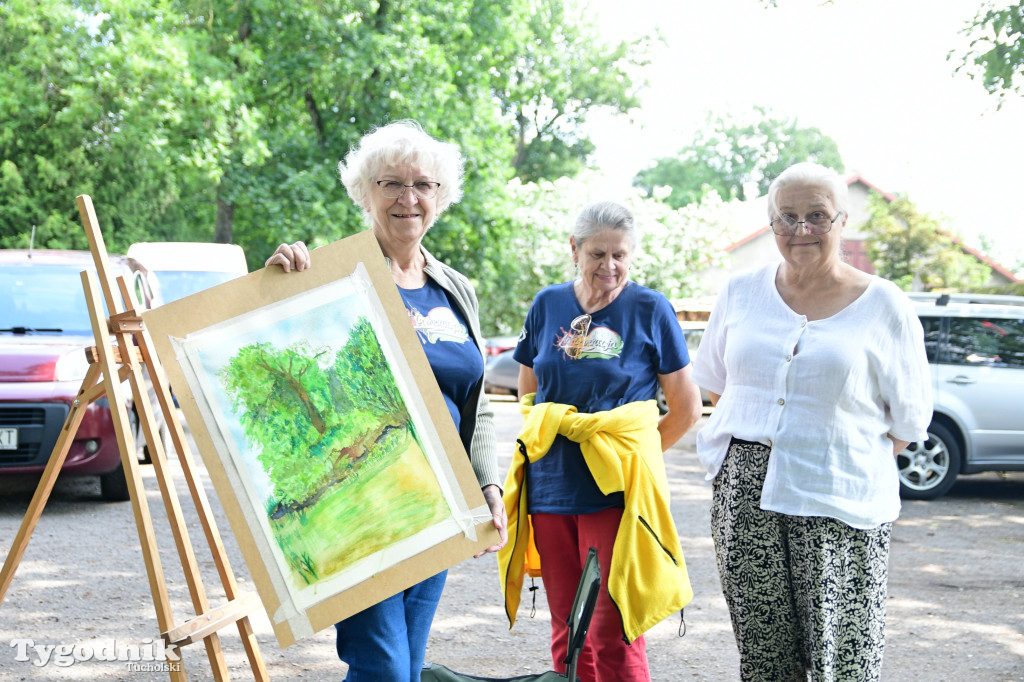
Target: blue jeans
{"type": "Point", "coordinates": [388, 641]}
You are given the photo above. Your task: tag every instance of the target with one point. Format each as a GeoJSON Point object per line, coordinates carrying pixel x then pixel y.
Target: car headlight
{"type": "Point", "coordinates": [71, 366]}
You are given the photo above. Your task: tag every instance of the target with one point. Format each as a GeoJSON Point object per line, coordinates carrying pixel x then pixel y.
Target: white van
{"type": "Point", "coordinates": [183, 268]}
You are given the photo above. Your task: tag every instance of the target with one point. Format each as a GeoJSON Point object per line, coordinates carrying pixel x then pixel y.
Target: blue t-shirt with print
{"type": "Point", "coordinates": [451, 351]}
{"type": "Point", "coordinates": [611, 359]}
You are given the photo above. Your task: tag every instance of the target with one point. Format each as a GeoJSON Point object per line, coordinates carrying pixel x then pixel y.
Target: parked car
{"type": "Point", "coordinates": [975, 346]}
{"type": "Point", "coordinates": [501, 371]}
{"type": "Point", "coordinates": [184, 268]}
{"type": "Point", "coordinates": [501, 374]}
{"type": "Point", "coordinates": [693, 331]}
{"type": "Point", "coordinates": [496, 345]}
{"type": "Point", "coordinates": [44, 329]}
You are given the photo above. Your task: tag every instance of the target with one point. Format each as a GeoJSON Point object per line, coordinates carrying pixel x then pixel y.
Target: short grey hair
{"type": "Point", "coordinates": [603, 215]}
{"type": "Point", "coordinates": [810, 173]}
{"type": "Point", "coordinates": [402, 143]}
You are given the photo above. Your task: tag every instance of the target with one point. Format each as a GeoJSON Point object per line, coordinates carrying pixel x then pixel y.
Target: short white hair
{"type": "Point", "coordinates": [810, 173]}
{"type": "Point", "coordinates": [402, 143]}
{"type": "Point", "coordinates": [603, 215]}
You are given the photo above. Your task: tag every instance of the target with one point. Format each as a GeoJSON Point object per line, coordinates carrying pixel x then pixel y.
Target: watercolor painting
{"type": "Point", "coordinates": [330, 439]}
{"type": "Point", "coordinates": [335, 465]}
{"type": "Point", "coordinates": [325, 435]}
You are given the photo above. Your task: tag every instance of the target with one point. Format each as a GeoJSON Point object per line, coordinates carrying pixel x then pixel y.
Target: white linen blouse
{"type": "Point", "coordinates": [822, 394]}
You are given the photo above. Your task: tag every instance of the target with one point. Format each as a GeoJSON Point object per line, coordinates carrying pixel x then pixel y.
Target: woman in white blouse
{"type": "Point", "coordinates": [819, 378]}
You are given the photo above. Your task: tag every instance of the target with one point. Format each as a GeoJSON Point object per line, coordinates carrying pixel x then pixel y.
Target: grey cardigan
{"type": "Point", "coordinates": [477, 425]}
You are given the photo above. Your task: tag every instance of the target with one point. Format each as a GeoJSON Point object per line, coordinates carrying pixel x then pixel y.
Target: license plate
{"type": "Point", "coordinates": [8, 439]}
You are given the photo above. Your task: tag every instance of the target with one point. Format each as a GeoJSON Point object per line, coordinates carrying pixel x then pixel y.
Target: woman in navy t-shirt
{"type": "Point", "coordinates": [596, 343]}
{"type": "Point", "coordinates": [403, 179]}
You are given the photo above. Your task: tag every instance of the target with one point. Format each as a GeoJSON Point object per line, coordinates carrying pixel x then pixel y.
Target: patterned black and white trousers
{"type": "Point", "coordinates": [806, 594]}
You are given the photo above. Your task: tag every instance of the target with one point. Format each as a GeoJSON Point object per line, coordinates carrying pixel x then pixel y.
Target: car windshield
{"type": "Point", "coordinates": [175, 284]}
{"type": "Point", "coordinates": [45, 298]}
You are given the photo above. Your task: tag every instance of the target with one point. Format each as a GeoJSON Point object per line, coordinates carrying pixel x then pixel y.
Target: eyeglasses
{"type": "Point", "coordinates": [579, 327]}
{"type": "Point", "coordinates": [393, 189]}
{"type": "Point", "coordinates": [815, 223]}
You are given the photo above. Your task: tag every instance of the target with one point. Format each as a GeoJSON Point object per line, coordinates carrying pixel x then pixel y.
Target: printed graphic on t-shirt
{"type": "Point", "coordinates": [439, 324]}
{"type": "Point", "coordinates": [583, 341]}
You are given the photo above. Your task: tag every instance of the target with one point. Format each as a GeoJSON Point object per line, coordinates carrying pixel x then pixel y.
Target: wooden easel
{"type": "Point", "coordinates": [111, 362]}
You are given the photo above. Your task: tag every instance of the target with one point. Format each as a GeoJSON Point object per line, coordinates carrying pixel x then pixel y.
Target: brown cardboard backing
{"type": "Point", "coordinates": [269, 285]}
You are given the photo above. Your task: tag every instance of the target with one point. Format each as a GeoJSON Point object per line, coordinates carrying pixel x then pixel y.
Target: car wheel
{"type": "Point", "coordinates": [662, 403]}
{"type": "Point", "coordinates": [929, 468]}
{"type": "Point", "coordinates": [114, 485]}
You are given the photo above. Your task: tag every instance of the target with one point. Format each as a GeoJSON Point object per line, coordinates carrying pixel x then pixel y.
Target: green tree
{"type": "Point", "coordinates": [909, 248]}
{"type": "Point", "coordinates": [363, 369]}
{"type": "Point", "coordinates": [678, 245]}
{"type": "Point", "coordinates": [296, 408]}
{"type": "Point", "coordinates": [731, 154]}
{"type": "Point", "coordinates": [226, 120]}
{"type": "Point", "coordinates": [995, 55]}
{"type": "Point", "coordinates": [111, 103]}
{"type": "Point", "coordinates": [285, 403]}
{"type": "Point", "coordinates": [559, 70]}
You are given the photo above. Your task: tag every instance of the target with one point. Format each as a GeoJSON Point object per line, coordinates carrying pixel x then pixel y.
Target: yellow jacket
{"type": "Point", "coordinates": [622, 448]}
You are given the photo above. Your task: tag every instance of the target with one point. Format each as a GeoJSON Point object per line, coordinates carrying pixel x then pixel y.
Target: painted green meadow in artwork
{"type": "Point", "coordinates": [346, 471]}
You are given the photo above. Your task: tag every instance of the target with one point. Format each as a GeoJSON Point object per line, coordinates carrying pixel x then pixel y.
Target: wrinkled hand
{"type": "Point", "coordinates": [290, 257]}
{"type": "Point", "coordinates": [492, 494]}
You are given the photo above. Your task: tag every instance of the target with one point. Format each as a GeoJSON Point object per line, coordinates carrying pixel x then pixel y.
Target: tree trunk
{"type": "Point", "coordinates": [314, 117]}
{"type": "Point", "coordinates": [520, 157]}
{"type": "Point", "coordinates": [316, 420]}
{"type": "Point", "coordinates": [225, 222]}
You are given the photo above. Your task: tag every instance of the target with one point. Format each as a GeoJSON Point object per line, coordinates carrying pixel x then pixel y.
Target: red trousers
{"type": "Point", "coordinates": [563, 542]}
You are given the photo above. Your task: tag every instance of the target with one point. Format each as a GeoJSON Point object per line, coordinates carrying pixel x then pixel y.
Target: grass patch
{"type": "Point", "coordinates": [392, 498]}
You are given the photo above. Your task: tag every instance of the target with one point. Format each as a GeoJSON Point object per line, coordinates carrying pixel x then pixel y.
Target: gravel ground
{"type": "Point", "coordinates": [956, 590]}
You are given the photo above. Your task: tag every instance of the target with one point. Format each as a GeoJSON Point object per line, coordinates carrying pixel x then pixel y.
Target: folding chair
{"type": "Point", "coordinates": [578, 621]}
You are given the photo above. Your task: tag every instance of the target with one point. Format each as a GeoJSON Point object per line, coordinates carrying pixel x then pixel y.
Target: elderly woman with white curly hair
{"type": "Point", "coordinates": [403, 179]}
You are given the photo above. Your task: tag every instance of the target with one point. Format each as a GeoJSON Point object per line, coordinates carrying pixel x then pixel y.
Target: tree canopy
{"type": "Point", "coordinates": [225, 121]}
{"type": "Point", "coordinates": [553, 84]}
{"type": "Point", "coordinates": [312, 414]}
{"type": "Point", "coordinates": [728, 155]}
{"type": "Point", "coordinates": [995, 55]}
{"type": "Point", "coordinates": [909, 248]}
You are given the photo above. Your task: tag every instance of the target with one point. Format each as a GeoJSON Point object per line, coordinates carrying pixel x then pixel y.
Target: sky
{"type": "Point", "coordinates": [871, 74]}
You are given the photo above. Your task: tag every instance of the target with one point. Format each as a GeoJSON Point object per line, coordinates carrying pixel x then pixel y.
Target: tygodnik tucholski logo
{"type": "Point", "coordinates": [148, 656]}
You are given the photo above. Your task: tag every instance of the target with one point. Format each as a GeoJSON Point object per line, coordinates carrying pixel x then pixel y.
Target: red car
{"type": "Point", "coordinates": [44, 327]}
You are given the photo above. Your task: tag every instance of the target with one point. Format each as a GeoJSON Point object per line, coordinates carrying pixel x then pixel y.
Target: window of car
{"type": "Point", "coordinates": [988, 341]}
{"type": "Point", "coordinates": [932, 333]}
{"type": "Point", "coordinates": [43, 297]}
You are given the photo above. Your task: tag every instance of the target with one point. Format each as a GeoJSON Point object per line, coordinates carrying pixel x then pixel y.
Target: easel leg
{"type": "Point", "coordinates": [130, 464]}
{"type": "Point", "coordinates": [173, 508]}
{"type": "Point", "coordinates": [124, 325]}
{"type": "Point", "coordinates": [45, 487]}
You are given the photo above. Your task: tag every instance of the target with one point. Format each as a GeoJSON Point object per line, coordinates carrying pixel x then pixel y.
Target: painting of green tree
{"type": "Point", "coordinates": [333, 438]}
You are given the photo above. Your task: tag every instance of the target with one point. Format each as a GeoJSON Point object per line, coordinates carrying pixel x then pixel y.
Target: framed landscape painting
{"type": "Point", "coordinates": [329, 445]}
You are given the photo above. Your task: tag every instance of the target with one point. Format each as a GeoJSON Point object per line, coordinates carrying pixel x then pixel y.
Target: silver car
{"type": "Point", "coordinates": [693, 331]}
{"type": "Point", "coordinates": [501, 374]}
{"type": "Point", "coordinates": [975, 347]}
